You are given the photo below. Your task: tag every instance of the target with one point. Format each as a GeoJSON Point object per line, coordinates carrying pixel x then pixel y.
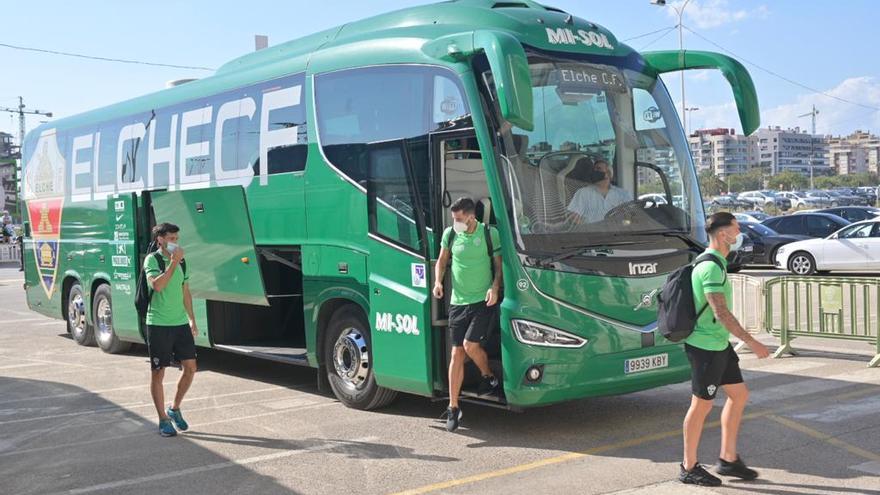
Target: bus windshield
{"type": "Point", "coordinates": [606, 163]}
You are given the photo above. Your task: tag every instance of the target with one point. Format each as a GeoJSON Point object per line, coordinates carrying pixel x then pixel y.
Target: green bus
{"type": "Point", "coordinates": [311, 182]}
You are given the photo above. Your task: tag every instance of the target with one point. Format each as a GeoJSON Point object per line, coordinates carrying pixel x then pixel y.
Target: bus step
{"type": "Point", "coordinates": [292, 355]}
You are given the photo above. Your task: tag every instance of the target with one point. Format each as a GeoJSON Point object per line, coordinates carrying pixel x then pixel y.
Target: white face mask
{"type": "Point", "coordinates": [459, 227]}
{"type": "Point", "coordinates": [738, 242]}
{"type": "Point", "coordinates": [171, 247]}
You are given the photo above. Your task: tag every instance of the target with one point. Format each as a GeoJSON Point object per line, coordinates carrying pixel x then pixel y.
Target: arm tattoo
{"type": "Point", "coordinates": [718, 303]}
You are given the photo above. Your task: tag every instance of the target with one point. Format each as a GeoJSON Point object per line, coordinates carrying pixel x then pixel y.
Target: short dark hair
{"type": "Point", "coordinates": [718, 221]}
{"type": "Point", "coordinates": [164, 229]}
{"type": "Point", "coordinates": [466, 205]}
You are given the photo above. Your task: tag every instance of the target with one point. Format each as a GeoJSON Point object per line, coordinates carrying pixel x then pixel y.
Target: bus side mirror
{"type": "Point", "coordinates": [510, 70]}
{"type": "Point", "coordinates": [740, 81]}
{"type": "Point", "coordinates": [509, 65]}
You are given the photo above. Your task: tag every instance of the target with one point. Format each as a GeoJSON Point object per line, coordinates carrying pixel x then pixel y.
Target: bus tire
{"type": "Point", "coordinates": [102, 315]}
{"type": "Point", "coordinates": [77, 324]}
{"type": "Point", "coordinates": [347, 360]}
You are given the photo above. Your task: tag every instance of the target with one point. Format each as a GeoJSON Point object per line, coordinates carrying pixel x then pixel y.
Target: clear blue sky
{"type": "Point", "coordinates": [829, 46]}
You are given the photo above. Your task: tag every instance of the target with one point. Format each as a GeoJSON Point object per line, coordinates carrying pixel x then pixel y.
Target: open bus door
{"type": "Point", "coordinates": [399, 277]}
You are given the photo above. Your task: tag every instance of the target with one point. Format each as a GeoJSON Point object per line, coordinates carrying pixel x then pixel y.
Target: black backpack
{"type": "Point", "coordinates": [676, 314]}
{"type": "Point", "coordinates": [143, 295]}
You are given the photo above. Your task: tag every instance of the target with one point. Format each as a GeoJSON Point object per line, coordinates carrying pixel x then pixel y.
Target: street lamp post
{"type": "Point", "coordinates": [687, 119]}
{"type": "Point", "coordinates": [680, 12]}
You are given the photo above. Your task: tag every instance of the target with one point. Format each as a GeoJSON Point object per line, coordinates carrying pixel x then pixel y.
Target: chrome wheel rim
{"type": "Point", "coordinates": [76, 315]}
{"type": "Point", "coordinates": [351, 358]}
{"type": "Point", "coordinates": [104, 320]}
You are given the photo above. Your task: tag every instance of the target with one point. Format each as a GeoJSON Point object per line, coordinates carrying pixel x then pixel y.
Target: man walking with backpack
{"type": "Point", "coordinates": [171, 325]}
{"type": "Point", "coordinates": [475, 253]}
{"type": "Point", "coordinates": [714, 363]}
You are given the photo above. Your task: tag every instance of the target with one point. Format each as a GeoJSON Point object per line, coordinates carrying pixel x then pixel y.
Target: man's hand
{"type": "Point", "coordinates": [491, 296]}
{"type": "Point", "coordinates": [194, 328]}
{"type": "Point", "coordinates": [438, 290]}
{"type": "Point", "coordinates": [758, 348]}
{"type": "Point", "coordinates": [177, 255]}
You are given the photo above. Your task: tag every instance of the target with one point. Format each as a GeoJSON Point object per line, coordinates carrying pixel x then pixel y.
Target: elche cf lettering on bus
{"type": "Point", "coordinates": [178, 147]}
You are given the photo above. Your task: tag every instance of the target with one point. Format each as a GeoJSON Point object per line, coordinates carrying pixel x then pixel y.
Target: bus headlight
{"type": "Point", "coordinates": [529, 332]}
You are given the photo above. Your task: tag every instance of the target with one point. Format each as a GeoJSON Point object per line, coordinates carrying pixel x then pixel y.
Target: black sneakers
{"type": "Point", "coordinates": [736, 468]}
{"type": "Point", "coordinates": [453, 418]}
{"type": "Point", "coordinates": [489, 385]}
{"type": "Point", "coordinates": [697, 476]}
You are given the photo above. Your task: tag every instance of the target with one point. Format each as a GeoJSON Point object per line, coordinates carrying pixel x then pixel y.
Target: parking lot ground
{"type": "Point", "coordinates": [75, 420]}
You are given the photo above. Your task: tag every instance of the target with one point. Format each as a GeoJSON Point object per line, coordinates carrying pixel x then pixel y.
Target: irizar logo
{"type": "Point", "coordinates": [564, 36]}
{"type": "Point", "coordinates": [642, 268]}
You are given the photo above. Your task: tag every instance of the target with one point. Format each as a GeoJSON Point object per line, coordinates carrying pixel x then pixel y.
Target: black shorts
{"type": "Point", "coordinates": [170, 345]}
{"type": "Point", "coordinates": [711, 369]}
{"type": "Point", "coordinates": [472, 322]}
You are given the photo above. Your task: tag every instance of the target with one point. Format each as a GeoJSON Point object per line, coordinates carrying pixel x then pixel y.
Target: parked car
{"type": "Point", "coordinates": [751, 216]}
{"type": "Point", "coordinates": [800, 199]}
{"type": "Point", "coordinates": [654, 199]}
{"type": "Point", "coordinates": [765, 198]}
{"type": "Point", "coordinates": [737, 260]}
{"type": "Point", "coordinates": [808, 224]}
{"type": "Point", "coordinates": [729, 201]}
{"type": "Point", "coordinates": [854, 247]}
{"type": "Point", "coordinates": [854, 213]}
{"type": "Point", "coordinates": [766, 241]}
{"type": "Point", "coordinates": [823, 199]}
{"type": "Point", "coordinates": [870, 192]}
{"type": "Point", "coordinates": [845, 199]}
{"type": "Point", "coordinates": [858, 197]}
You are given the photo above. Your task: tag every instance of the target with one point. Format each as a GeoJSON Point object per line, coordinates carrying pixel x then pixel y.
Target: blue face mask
{"type": "Point", "coordinates": [738, 242]}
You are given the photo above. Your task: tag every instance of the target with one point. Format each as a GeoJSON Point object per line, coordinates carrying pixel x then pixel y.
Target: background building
{"type": "Point", "coordinates": [854, 154]}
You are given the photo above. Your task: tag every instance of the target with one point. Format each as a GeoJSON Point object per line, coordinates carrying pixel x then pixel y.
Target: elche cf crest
{"type": "Point", "coordinates": [44, 196]}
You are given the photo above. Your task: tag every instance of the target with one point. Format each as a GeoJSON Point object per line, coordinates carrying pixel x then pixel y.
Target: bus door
{"type": "Point", "coordinates": [459, 173]}
{"type": "Point", "coordinates": [399, 277]}
{"type": "Point", "coordinates": [123, 211]}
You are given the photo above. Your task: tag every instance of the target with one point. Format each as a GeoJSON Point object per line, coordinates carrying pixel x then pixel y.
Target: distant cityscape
{"type": "Point", "coordinates": [775, 150]}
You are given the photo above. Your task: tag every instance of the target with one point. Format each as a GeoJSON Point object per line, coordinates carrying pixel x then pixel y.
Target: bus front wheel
{"type": "Point", "coordinates": [77, 324]}
{"type": "Point", "coordinates": [348, 361]}
{"type": "Point", "coordinates": [102, 312]}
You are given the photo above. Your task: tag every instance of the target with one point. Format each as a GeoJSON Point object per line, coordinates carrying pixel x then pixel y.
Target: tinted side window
{"type": "Point", "coordinates": [790, 225]}
{"type": "Point", "coordinates": [820, 224]}
{"type": "Point", "coordinates": [358, 107]}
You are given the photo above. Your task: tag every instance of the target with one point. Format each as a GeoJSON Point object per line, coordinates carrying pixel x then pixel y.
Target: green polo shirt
{"type": "Point", "coordinates": [708, 278]}
{"type": "Point", "coordinates": [471, 266]}
{"type": "Point", "coordinates": [166, 306]}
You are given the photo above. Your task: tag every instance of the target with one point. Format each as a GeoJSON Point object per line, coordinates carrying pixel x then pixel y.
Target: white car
{"type": "Point", "coordinates": [654, 199]}
{"type": "Point", "coordinates": [854, 247]}
{"type": "Point", "coordinates": [800, 200]}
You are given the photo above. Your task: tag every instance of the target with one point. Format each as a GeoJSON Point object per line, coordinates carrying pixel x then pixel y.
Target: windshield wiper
{"type": "Point", "coordinates": [569, 251]}
{"type": "Point", "coordinates": [679, 234]}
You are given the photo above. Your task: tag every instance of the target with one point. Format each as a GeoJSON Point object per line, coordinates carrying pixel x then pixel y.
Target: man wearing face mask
{"type": "Point", "coordinates": [171, 325]}
{"type": "Point", "coordinates": [591, 203]}
{"type": "Point", "coordinates": [714, 363]}
{"type": "Point", "coordinates": [474, 294]}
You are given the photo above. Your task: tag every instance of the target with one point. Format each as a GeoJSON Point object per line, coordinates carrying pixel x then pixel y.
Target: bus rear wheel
{"type": "Point", "coordinates": [77, 324]}
{"type": "Point", "coordinates": [102, 311]}
{"type": "Point", "coordinates": [348, 361]}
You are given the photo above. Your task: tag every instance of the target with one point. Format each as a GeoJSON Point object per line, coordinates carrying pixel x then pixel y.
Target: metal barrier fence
{"type": "Point", "coordinates": [10, 252]}
{"type": "Point", "coordinates": [748, 303]}
{"type": "Point", "coordinates": [826, 307]}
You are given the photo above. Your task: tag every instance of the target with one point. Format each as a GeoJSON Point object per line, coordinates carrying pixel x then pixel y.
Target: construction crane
{"type": "Point", "coordinates": [813, 115]}
{"type": "Point", "coordinates": [20, 110]}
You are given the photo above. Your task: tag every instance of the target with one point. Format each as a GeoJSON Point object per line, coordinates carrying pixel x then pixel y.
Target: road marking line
{"type": "Point", "coordinates": [123, 407]}
{"type": "Point", "coordinates": [24, 320]}
{"type": "Point", "coordinates": [826, 438]}
{"type": "Point", "coordinates": [72, 394]}
{"type": "Point", "coordinates": [604, 448]}
{"type": "Point", "coordinates": [11, 280]}
{"type": "Point", "coordinates": [331, 444]}
{"type": "Point", "coordinates": [200, 425]}
{"type": "Point", "coordinates": [867, 467]}
{"type": "Point", "coordinates": [26, 365]}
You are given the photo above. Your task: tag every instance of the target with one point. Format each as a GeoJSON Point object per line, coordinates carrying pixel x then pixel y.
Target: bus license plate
{"type": "Point", "coordinates": [637, 365]}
